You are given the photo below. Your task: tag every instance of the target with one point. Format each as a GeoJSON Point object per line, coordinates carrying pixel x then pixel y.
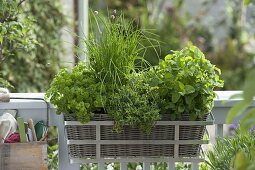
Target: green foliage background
{"type": "Point", "coordinates": [31, 69]}
{"type": "Point", "coordinates": [233, 55]}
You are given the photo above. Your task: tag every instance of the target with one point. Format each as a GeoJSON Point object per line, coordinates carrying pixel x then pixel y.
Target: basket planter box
{"type": "Point", "coordinates": [27, 156]}
{"type": "Point", "coordinates": [97, 141]}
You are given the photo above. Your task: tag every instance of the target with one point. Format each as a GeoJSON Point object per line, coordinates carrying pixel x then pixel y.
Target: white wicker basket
{"type": "Point", "coordinates": [97, 141]}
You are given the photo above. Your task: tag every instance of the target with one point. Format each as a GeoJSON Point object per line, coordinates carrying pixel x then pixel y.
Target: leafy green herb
{"type": "Point", "coordinates": [77, 93]}
{"type": "Point", "coordinates": [187, 80]}
{"type": "Point", "coordinates": [134, 104]}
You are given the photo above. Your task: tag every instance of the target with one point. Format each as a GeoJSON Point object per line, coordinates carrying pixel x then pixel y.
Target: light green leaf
{"type": "Point", "coordinates": [217, 69]}
{"type": "Point", "coordinates": [249, 88]}
{"type": "Point", "coordinates": [168, 57]}
{"type": "Point", "coordinates": [181, 86]}
{"type": "Point", "coordinates": [241, 161]}
{"type": "Point", "coordinates": [236, 110]}
{"type": "Point", "coordinates": [247, 2]}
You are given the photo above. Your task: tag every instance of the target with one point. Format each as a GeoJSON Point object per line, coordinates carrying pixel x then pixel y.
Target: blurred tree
{"type": "Point", "coordinates": [32, 70]}
{"type": "Point", "coordinates": [236, 55]}
{"type": "Point", "coordinates": [14, 32]}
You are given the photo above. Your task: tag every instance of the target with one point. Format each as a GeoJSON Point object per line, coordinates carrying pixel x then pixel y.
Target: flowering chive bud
{"type": "Point", "coordinates": [114, 12]}
{"type": "Point", "coordinates": [96, 12]}
{"type": "Point", "coordinates": [112, 17]}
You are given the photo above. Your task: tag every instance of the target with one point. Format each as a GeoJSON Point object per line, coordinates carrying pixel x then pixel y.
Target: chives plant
{"type": "Point", "coordinates": [113, 47]}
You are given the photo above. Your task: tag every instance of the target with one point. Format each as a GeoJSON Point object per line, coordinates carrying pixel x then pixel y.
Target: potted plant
{"type": "Point", "coordinates": [115, 98]}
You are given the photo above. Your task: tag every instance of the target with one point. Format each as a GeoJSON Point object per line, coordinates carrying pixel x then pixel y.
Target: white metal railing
{"type": "Point", "coordinates": [37, 110]}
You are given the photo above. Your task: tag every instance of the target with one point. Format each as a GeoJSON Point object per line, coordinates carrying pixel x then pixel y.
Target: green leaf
{"type": "Point", "coordinates": [189, 89]}
{"type": "Point", "coordinates": [236, 110]}
{"type": "Point", "coordinates": [249, 88]}
{"type": "Point", "coordinates": [168, 57]}
{"type": "Point", "coordinates": [181, 108]}
{"type": "Point", "coordinates": [170, 105]}
{"type": "Point", "coordinates": [241, 161]}
{"type": "Point", "coordinates": [175, 97]}
{"type": "Point", "coordinates": [218, 70]}
{"type": "Point", "coordinates": [168, 75]}
{"type": "Point", "coordinates": [248, 120]}
{"type": "Point", "coordinates": [154, 82]}
{"type": "Point", "coordinates": [193, 116]}
{"type": "Point", "coordinates": [181, 86]}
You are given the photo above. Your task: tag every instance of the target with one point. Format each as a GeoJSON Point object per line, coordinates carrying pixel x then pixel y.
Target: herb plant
{"type": "Point", "coordinates": [134, 104]}
{"type": "Point", "coordinates": [186, 82]}
{"type": "Point", "coordinates": [227, 150]}
{"type": "Point", "coordinates": [113, 47]}
{"type": "Point", "coordinates": [77, 93]}
{"type": "Point", "coordinates": [134, 95]}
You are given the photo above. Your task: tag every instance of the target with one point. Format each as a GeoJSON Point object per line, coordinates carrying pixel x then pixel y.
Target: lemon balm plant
{"type": "Point", "coordinates": [186, 80]}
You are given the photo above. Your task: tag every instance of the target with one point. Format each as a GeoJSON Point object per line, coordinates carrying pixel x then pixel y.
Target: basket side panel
{"type": "Point", "coordinates": [159, 132]}
{"type": "Point", "coordinates": [82, 151]}
{"type": "Point", "coordinates": [145, 150]}
{"type": "Point", "coordinates": [84, 132]}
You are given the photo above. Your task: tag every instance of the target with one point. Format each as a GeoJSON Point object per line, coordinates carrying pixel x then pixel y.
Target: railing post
{"type": "Point", "coordinates": [100, 165]}
{"type": "Point", "coordinates": [123, 166]}
{"type": "Point", "coordinates": [219, 130]}
{"type": "Point", "coordinates": [146, 166]}
{"type": "Point", "coordinates": [195, 166]}
{"type": "Point", "coordinates": [63, 159]}
{"type": "Point", "coordinates": [171, 165]}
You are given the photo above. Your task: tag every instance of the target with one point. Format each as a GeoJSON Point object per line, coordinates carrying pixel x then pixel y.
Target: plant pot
{"type": "Point", "coordinates": [97, 140]}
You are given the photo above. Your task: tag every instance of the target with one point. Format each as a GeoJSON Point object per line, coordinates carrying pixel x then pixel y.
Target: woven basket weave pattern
{"type": "Point", "coordinates": [159, 132]}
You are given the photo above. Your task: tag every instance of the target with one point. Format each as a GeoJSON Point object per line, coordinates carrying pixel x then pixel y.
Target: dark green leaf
{"type": "Point", "coordinates": [181, 108]}
{"type": "Point", "coordinates": [175, 97]}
